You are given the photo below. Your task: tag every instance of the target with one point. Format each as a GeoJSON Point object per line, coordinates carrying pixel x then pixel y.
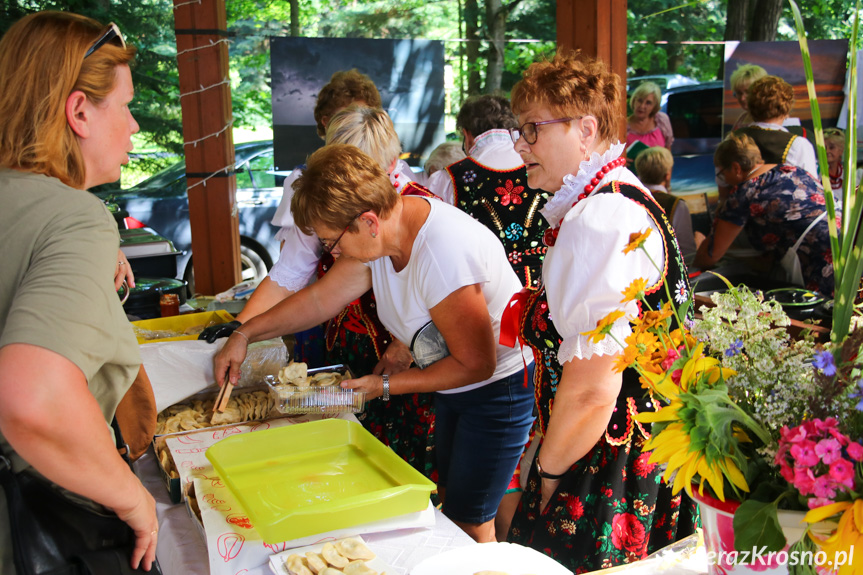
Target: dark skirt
{"type": "Point", "coordinates": [610, 508]}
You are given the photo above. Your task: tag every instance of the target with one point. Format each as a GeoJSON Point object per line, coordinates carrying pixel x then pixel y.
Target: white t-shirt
{"type": "Point", "coordinates": [586, 270]}
{"type": "Point", "coordinates": [298, 260]}
{"type": "Point", "coordinates": [451, 251]}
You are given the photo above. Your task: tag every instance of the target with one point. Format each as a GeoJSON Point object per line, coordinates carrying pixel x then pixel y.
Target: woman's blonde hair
{"type": "Point", "coordinates": [369, 129]}
{"type": "Point", "coordinates": [41, 63]}
{"type": "Point", "coordinates": [572, 85]}
{"type": "Point", "coordinates": [652, 165]}
{"type": "Point", "coordinates": [642, 91]}
{"type": "Point", "coordinates": [769, 98]}
{"type": "Point", "coordinates": [738, 148]}
{"type": "Point", "coordinates": [745, 75]}
{"type": "Point", "coordinates": [339, 183]}
{"type": "Point", "coordinates": [835, 135]}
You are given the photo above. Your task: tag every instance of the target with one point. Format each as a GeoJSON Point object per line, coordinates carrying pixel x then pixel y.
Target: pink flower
{"type": "Point", "coordinates": [855, 451]}
{"type": "Point", "coordinates": [824, 487]}
{"type": "Point", "coordinates": [673, 355]}
{"type": "Point", "coordinates": [842, 439]}
{"type": "Point", "coordinates": [817, 502]}
{"type": "Point", "coordinates": [795, 435]}
{"type": "Point", "coordinates": [804, 453]}
{"type": "Point", "coordinates": [675, 376]}
{"type": "Point", "coordinates": [842, 471]}
{"type": "Point", "coordinates": [828, 450]}
{"type": "Point", "coordinates": [803, 480]}
{"type": "Point", "coordinates": [825, 424]}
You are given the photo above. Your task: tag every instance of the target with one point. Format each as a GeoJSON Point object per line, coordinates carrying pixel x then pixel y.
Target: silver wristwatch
{"type": "Point", "coordinates": [386, 395]}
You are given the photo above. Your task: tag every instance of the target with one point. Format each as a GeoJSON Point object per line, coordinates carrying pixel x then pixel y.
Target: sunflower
{"type": "Point", "coordinates": [847, 536]}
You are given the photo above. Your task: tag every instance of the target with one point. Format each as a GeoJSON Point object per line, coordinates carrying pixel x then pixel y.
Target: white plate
{"type": "Point", "coordinates": [506, 557]}
{"type": "Point", "coordinates": [277, 562]}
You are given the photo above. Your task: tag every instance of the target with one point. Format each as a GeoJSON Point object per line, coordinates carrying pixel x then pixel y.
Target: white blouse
{"type": "Point", "coordinates": [586, 270]}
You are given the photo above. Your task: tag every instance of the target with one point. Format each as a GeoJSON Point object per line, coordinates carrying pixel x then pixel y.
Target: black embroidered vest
{"type": "Point", "coordinates": [501, 201]}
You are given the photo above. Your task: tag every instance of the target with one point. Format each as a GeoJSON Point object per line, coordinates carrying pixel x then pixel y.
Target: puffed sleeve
{"type": "Point", "coordinates": [298, 260]}
{"type": "Point", "coordinates": [586, 271]}
{"type": "Point", "coordinates": [283, 217]}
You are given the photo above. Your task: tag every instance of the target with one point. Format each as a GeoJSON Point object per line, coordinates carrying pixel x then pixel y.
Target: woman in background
{"type": "Point", "coordinates": [741, 79]}
{"type": "Point", "coordinates": [774, 204]}
{"type": "Point", "coordinates": [67, 351]}
{"type": "Point", "coordinates": [647, 124]}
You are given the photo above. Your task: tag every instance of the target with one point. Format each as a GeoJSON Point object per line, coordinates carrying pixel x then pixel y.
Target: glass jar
{"type": "Point", "coordinates": [169, 304]}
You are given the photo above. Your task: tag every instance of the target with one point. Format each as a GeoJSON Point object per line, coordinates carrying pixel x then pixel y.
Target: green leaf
{"type": "Point", "coordinates": [805, 545]}
{"type": "Point", "coordinates": [756, 525]}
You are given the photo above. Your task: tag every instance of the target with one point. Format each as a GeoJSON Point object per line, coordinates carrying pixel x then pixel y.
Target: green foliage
{"type": "Point", "coordinates": [757, 525]}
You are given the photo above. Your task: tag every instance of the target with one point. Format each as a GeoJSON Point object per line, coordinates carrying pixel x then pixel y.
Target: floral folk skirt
{"type": "Point", "coordinates": [611, 508]}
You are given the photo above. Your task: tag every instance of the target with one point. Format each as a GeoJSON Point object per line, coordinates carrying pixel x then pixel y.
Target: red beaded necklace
{"type": "Point", "coordinates": [550, 236]}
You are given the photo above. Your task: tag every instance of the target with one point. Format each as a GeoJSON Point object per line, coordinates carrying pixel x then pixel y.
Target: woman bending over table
{"type": "Point", "coordinates": [439, 278]}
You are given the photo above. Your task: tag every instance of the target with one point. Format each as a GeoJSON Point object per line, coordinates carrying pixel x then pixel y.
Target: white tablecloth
{"type": "Point", "coordinates": [182, 551]}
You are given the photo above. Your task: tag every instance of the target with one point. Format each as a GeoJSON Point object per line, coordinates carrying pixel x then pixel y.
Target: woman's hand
{"type": "Point", "coordinates": [548, 487]}
{"type": "Point", "coordinates": [396, 359]}
{"type": "Point", "coordinates": [123, 272]}
{"type": "Point", "coordinates": [373, 385]}
{"type": "Point", "coordinates": [140, 515]}
{"type": "Point", "coordinates": [227, 361]}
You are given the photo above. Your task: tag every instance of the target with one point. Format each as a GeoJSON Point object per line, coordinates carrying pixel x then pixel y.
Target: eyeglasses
{"type": "Point", "coordinates": [528, 129]}
{"type": "Point", "coordinates": [112, 33]}
{"type": "Point", "coordinates": [719, 173]}
{"type": "Point", "coordinates": [329, 247]}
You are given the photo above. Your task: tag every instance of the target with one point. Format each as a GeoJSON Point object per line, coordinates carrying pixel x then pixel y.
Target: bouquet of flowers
{"type": "Point", "coordinates": [750, 414]}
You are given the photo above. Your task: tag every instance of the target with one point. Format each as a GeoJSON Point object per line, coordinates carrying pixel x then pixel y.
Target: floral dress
{"type": "Point", "coordinates": [357, 339]}
{"type": "Point", "coordinates": [611, 507]}
{"type": "Point", "coordinates": [774, 209]}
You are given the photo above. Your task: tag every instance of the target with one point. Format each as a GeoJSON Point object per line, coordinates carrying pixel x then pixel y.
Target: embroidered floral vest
{"type": "Point", "coordinates": [501, 201]}
{"type": "Point", "coordinates": [538, 330]}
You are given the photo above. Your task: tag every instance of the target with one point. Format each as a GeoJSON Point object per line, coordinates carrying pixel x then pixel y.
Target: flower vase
{"type": "Point", "coordinates": [717, 519]}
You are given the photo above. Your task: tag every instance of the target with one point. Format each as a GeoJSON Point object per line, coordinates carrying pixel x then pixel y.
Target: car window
{"type": "Point", "coordinates": [696, 113]}
{"type": "Point", "coordinates": [261, 170]}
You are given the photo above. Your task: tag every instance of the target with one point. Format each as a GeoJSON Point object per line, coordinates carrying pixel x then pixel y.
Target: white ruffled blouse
{"type": "Point", "coordinates": [586, 270]}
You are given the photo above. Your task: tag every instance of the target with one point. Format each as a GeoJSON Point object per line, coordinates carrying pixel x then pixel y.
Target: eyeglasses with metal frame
{"type": "Point", "coordinates": [327, 247]}
{"type": "Point", "coordinates": [528, 129]}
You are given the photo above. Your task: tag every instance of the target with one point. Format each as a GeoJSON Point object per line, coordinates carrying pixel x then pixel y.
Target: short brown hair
{"type": "Point", "coordinates": [41, 63]}
{"type": "Point", "coordinates": [769, 98]}
{"type": "Point", "coordinates": [339, 183]}
{"type": "Point", "coordinates": [647, 89]}
{"type": "Point", "coordinates": [738, 148]}
{"type": "Point", "coordinates": [652, 165]}
{"type": "Point", "coordinates": [479, 114]}
{"type": "Point", "coordinates": [344, 88]}
{"type": "Point", "coordinates": [572, 85]}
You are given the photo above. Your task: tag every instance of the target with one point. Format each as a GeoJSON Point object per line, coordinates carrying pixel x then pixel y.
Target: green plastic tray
{"type": "Point", "coordinates": [315, 477]}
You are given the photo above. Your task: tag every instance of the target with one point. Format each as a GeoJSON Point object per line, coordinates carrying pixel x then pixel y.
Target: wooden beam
{"type": "Point", "coordinates": [205, 99]}
{"type": "Point", "coordinates": [597, 28]}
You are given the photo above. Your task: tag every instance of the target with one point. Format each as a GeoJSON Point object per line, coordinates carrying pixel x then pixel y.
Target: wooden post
{"type": "Point", "coordinates": [205, 99]}
{"type": "Point", "coordinates": [598, 29]}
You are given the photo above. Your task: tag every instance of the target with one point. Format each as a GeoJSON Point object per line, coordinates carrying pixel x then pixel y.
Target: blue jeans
{"type": "Point", "coordinates": [479, 437]}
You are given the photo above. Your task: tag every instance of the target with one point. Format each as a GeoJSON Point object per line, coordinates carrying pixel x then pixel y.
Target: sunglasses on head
{"type": "Point", "coordinates": [110, 35]}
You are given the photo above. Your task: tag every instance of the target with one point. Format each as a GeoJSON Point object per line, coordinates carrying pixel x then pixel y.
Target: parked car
{"type": "Point", "coordinates": [160, 202]}
{"type": "Point", "coordinates": [695, 111]}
